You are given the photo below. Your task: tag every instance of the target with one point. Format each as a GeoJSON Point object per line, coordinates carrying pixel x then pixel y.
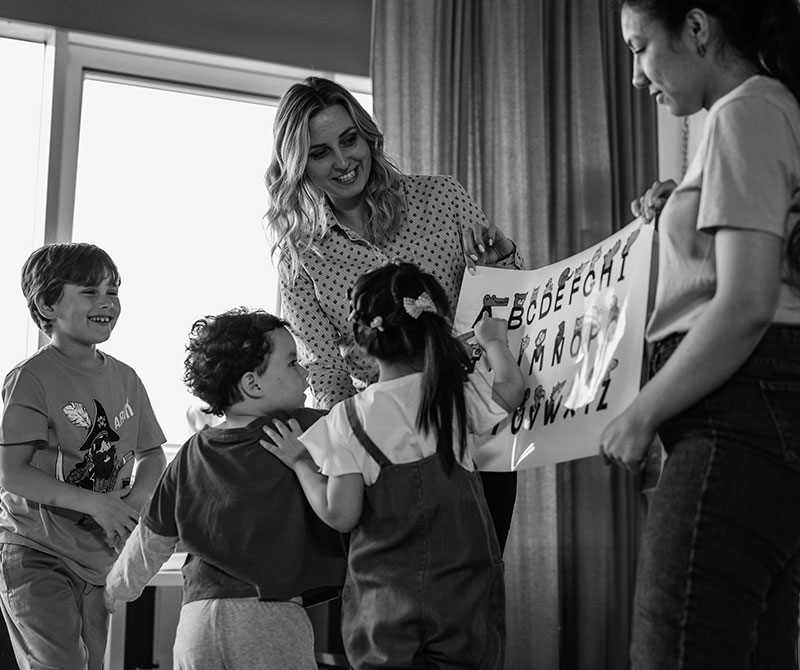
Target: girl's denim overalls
{"type": "Point", "coordinates": [424, 587]}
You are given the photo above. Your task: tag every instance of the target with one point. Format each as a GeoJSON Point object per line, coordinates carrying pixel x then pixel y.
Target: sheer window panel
{"type": "Point", "coordinates": [170, 184]}
{"type": "Point", "coordinates": [21, 89]}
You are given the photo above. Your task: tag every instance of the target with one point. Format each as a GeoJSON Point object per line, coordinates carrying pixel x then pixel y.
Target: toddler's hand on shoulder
{"type": "Point", "coordinates": [284, 443]}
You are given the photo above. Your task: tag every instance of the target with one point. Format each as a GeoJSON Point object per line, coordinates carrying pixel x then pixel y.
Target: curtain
{"type": "Point", "coordinates": [529, 104]}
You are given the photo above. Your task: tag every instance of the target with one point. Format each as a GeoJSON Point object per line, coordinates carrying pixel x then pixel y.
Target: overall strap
{"type": "Point", "coordinates": [358, 430]}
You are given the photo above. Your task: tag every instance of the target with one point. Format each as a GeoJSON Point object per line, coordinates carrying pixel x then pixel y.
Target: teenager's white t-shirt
{"type": "Point", "coordinates": [745, 175]}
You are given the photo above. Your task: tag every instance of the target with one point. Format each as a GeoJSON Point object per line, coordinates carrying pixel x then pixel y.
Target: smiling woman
{"type": "Point", "coordinates": [339, 165]}
{"type": "Point", "coordinates": [671, 65]}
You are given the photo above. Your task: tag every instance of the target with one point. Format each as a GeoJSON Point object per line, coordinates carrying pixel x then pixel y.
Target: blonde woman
{"type": "Point", "coordinates": [339, 208]}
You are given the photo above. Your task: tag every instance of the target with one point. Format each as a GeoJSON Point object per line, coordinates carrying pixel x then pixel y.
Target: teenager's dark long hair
{"type": "Point", "coordinates": [385, 330]}
{"type": "Point", "coordinates": [766, 32]}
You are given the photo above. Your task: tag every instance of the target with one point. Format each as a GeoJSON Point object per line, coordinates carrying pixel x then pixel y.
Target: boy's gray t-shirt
{"type": "Point", "coordinates": [87, 426]}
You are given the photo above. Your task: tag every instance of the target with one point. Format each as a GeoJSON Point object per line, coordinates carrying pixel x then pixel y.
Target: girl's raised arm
{"type": "Point", "coordinates": [509, 383]}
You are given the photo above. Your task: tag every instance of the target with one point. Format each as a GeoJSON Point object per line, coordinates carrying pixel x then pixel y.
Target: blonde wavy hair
{"type": "Point", "coordinates": [295, 219]}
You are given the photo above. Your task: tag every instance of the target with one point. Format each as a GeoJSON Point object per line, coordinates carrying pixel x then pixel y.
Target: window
{"type": "Point", "coordinates": [161, 157]}
{"type": "Point", "coordinates": [22, 65]}
{"type": "Point", "coordinates": [170, 184]}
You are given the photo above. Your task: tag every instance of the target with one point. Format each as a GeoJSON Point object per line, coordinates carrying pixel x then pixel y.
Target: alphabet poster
{"type": "Point", "coordinates": [577, 330]}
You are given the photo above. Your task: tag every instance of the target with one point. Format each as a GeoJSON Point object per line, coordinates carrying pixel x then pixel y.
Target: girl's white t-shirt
{"type": "Point", "coordinates": [388, 412]}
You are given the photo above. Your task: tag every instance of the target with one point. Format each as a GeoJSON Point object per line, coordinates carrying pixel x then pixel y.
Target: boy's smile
{"type": "Point", "coordinates": [83, 316]}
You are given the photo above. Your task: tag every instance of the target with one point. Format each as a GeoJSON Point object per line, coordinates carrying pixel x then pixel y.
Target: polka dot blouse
{"type": "Point", "coordinates": [437, 210]}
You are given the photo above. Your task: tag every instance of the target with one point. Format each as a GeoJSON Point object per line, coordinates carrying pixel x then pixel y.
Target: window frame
{"type": "Point", "coordinates": [70, 56]}
{"type": "Point", "coordinates": [46, 37]}
{"type": "Point", "coordinates": [78, 55]}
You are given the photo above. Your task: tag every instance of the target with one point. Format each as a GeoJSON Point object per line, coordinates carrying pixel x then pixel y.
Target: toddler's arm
{"type": "Point", "coordinates": [141, 558]}
{"type": "Point", "coordinates": [509, 383]}
{"type": "Point", "coordinates": [18, 476]}
{"type": "Point", "coordinates": [336, 500]}
{"type": "Point", "coordinates": [149, 466]}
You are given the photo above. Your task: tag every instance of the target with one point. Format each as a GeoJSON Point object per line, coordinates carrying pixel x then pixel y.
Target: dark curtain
{"type": "Point", "coordinates": [529, 104]}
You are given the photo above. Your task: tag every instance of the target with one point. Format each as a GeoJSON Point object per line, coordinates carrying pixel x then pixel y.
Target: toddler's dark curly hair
{"type": "Point", "coordinates": [222, 348]}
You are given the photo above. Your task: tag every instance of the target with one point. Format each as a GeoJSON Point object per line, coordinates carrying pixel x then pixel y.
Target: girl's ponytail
{"type": "Point", "coordinates": [443, 404]}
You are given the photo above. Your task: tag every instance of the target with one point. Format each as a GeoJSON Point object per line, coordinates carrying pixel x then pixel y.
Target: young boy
{"type": "Point", "coordinates": [74, 424]}
{"type": "Point", "coordinates": [257, 553]}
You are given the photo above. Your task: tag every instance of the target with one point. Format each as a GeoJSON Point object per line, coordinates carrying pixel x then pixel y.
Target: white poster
{"type": "Point", "coordinates": [577, 329]}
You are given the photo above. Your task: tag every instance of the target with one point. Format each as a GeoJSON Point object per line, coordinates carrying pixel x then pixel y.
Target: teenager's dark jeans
{"type": "Point", "coordinates": [719, 570]}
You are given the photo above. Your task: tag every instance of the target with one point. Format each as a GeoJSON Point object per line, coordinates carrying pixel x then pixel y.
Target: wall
{"type": "Point", "coordinates": [671, 142]}
{"type": "Point", "coordinates": [322, 34]}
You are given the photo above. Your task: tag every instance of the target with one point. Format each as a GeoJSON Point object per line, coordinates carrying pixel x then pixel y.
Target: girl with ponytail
{"type": "Point", "coordinates": [425, 578]}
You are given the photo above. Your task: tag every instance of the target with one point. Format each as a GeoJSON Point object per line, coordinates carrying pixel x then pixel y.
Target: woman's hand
{"type": "Point", "coordinates": [485, 245]}
{"type": "Point", "coordinates": [626, 439]}
{"type": "Point", "coordinates": [285, 446]}
{"type": "Point", "coordinates": [649, 206]}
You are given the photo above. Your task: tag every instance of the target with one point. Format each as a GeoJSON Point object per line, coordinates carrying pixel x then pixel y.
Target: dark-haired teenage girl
{"type": "Point", "coordinates": [717, 582]}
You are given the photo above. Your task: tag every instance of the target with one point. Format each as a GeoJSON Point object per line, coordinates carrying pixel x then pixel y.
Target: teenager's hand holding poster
{"type": "Point", "coordinates": [577, 328]}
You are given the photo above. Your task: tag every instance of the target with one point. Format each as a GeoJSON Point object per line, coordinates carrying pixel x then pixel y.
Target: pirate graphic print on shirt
{"type": "Point", "coordinates": [99, 468]}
